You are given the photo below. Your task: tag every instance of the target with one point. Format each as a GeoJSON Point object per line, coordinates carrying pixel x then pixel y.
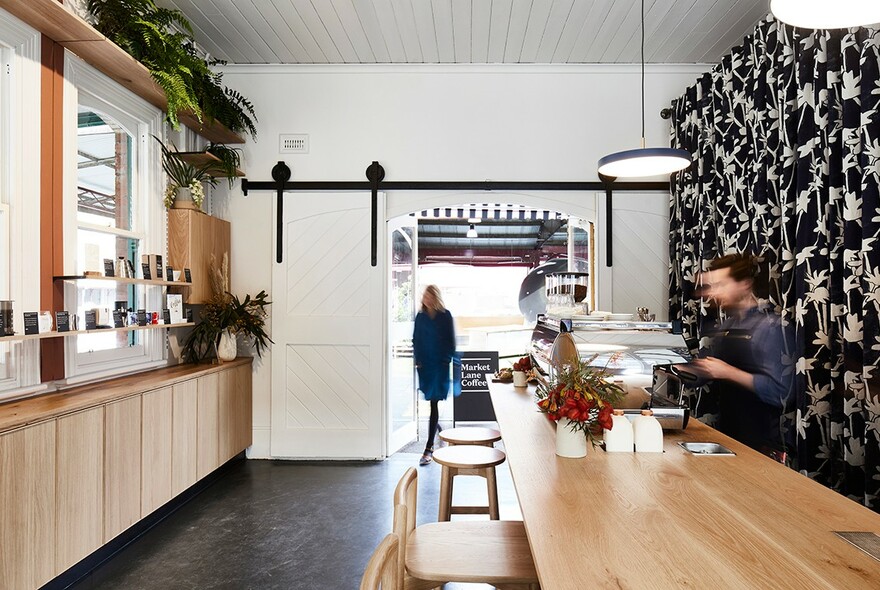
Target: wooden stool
{"type": "Point", "coordinates": [486, 437]}
{"type": "Point", "coordinates": [493, 552]}
{"type": "Point", "coordinates": [468, 460]}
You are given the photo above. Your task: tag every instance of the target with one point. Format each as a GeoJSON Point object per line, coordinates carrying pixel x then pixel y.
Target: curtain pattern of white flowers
{"type": "Point", "coordinates": [785, 135]}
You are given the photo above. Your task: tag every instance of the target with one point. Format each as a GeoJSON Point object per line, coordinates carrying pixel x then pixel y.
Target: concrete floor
{"type": "Point", "coordinates": [282, 524]}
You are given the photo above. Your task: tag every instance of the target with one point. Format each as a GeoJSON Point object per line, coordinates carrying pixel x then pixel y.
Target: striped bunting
{"type": "Point", "coordinates": [489, 211]}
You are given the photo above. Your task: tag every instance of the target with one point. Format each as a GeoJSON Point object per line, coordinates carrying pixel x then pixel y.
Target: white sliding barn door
{"type": "Point", "coordinates": [328, 324]}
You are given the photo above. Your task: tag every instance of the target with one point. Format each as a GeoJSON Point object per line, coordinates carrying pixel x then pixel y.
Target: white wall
{"type": "Point", "coordinates": [449, 122]}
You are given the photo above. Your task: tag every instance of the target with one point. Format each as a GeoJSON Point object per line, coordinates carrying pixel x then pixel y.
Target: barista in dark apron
{"type": "Point", "coordinates": [744, 360]}
{"type": "Point", "coordinates": [752, 344]}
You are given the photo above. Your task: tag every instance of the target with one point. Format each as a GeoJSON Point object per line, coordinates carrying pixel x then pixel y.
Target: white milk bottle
{"type": "Point", "coordinates": [647, 433]}
{"type": "Point", "coordinates": [620, 438]}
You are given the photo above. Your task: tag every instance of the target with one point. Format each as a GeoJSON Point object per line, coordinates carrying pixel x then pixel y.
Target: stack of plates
{"type": "Point", "coordinates": [620, 317]}
{"type": "Point", "coordinates": [599, 315]}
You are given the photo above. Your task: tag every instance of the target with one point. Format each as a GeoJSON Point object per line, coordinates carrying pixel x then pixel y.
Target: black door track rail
{"type": "Point", "coordinates": [375, 182]}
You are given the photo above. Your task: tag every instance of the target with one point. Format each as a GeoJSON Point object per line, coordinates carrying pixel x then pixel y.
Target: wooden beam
{"type": "Point", "coordinates": [51, 199]}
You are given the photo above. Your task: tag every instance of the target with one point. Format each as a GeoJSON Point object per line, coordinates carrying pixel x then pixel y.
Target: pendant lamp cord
{"type": "Point", "coordinates": [643, 73]}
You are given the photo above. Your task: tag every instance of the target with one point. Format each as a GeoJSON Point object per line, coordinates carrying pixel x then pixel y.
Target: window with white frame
{"type": "Point", "coordinates": [112, 212]}
{"type": "Point", "coordinates": [19, 198]}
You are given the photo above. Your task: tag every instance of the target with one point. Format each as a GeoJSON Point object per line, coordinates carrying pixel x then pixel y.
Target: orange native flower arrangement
{"type": "Point", "coordinates": [581, 394]}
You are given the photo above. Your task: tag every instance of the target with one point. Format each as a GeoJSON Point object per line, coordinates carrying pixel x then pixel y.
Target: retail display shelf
{"type": "Point", "coordinates": [54, 334]}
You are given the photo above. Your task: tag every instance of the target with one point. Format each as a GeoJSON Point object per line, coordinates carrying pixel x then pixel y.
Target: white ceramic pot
{"type": "Point", "coordinates": [183, 199]}
{"type": "Point", "coordinates": [227, 348]}
{"type": "Point", "coordinates": [519, 379]}
{"type": "Point", "coordinates": [572, 444]}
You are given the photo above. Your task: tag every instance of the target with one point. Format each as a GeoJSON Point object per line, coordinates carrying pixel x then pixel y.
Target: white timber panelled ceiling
{"type": "Point", "coordinates": [468, 31]}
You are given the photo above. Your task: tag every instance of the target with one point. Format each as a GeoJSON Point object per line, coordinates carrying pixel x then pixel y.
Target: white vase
{"type": "Point", "coordinates": [519, 379]}
{"type": "Point", "coordinates": [183, 199]}
{"type": "Point", "coordinates": [570, 444]}
{"type": "Point", "coordinates": [228, 346]}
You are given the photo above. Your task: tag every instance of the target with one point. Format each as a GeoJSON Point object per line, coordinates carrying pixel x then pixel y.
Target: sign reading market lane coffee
{"type": "Point", "coordinates": [474, 405]}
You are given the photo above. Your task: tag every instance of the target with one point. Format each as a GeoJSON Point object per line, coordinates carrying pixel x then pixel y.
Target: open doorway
{"type": "Point", "coordinates": [487, 261]}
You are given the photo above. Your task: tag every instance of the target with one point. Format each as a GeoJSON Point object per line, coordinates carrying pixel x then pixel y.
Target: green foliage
{"type": "Point", "coordinates": [161, 39]}
{"type": "Point", "coordinates": [228, 311]}
{"type": "Point", "coordinates": [230, 159]}
{"type": "Point", "coordinates": [181, 173]}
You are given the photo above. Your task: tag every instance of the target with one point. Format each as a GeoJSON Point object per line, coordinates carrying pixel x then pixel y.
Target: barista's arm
{"type": "Point", "coordinates": [713, 368]}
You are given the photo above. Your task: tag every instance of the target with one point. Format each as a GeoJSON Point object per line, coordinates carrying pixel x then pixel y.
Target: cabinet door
{"type": "Point", "coordinates": [245, 408]}
{"type": "Point", "coordinates": [122, 465]}
{"type": "Point", "coordinates": [156, 433]}
{"type": "Point", "coordinates": [79, 486]}
{"type": "Point", "coordinates": [208, 421]}
{"type": "Point", "coordinates": [27, 506]}
{"type": "Point", "coordinates": [227, 414]}
{"type": "Point", "coordinates": [184, 441]}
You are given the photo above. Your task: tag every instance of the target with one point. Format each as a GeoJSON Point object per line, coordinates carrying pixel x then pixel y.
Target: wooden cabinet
{"type": "Point", "coordinates": [184, 441]}
{"type": "Point", "coordinates": [193, 237]}
{"type": "Point", "coordinates": [122, 465]}
{"type": "Point", "coordinates": [77, 468]}
{"type": "Point", "coordinates": [27, 506]}
{"type": "Point", "coordinates": [208, 447]}
{"type": "Point", "coordinates": [79, 486]}
{"type": "Point", "coordinates": [156, 462]}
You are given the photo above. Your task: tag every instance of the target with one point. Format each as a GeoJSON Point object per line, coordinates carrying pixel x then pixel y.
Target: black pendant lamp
{"type": "Point", "coordinates": [644, 161]}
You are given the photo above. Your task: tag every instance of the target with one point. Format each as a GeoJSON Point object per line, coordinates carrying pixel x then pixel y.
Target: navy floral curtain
{"type": "Point", "coordinates": [785, 135]}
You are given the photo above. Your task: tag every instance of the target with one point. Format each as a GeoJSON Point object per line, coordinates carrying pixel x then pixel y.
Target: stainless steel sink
{"type": "Point", "coordinates": [706, 448]}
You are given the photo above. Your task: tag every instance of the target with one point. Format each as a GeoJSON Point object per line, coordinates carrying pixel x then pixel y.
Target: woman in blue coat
{"type": "Point", "coordinates": [433, 349]}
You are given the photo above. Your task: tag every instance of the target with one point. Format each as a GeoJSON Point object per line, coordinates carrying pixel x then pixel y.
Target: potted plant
{"type": "Point", "coordinates": [578, 398]}
{"type": "Point", "coordinates": [522, 371]}
{"type": "Point", "coordinates": [185, 189]}
{"type": "Point", "coordinates": [162, 40]}
{"type": "Point", "coordinates": [224, 317]}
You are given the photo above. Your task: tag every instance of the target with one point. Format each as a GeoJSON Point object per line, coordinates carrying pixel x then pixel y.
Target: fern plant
{"type": "Point", "coordinates": [230, 160]}
{"type": "Point", "coordinates": [161, 39]}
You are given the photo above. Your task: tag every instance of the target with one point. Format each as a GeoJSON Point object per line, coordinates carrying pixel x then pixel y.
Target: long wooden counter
{"type": "Point", "coordinates": [51, 405]}
{"type": "Point", "coordinates": [676, 520]}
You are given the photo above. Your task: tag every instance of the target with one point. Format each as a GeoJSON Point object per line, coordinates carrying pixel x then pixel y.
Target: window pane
{"type": "Point", "coordinates": [8, 357]}
{"type": "Point", "coordinates": [104, 171]}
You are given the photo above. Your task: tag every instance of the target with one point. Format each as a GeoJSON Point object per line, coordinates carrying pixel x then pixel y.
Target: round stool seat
{"type": "Point", "coordinates": [469, 456]}
{"type": "Point", "coordinates": [470, 436]}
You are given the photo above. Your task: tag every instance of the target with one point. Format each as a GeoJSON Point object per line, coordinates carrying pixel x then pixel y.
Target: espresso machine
{"type": "Point", "coordinates": [641, 357]}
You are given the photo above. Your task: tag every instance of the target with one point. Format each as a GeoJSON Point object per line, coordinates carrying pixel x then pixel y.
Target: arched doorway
{"type": "Point", "coordinates": [478, 253]}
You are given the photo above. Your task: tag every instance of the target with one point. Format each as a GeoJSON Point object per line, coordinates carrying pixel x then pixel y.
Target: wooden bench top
{"type": "Point", "coordinates": [18, 413]}
{"type": "Point", "coordinates": [673, 519]}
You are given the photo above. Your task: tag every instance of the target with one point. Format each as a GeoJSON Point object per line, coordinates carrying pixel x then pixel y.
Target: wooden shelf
{"type": "Point", "coordinates": [55, 334]}
{"type": "Point", "coordinates": [200, 159]}
{"type": "Point", "coordinates": [69, 30]}
{"type": "Point", "coordinates": [124, 280]}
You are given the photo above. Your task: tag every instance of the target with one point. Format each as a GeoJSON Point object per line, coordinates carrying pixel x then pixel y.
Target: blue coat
{"type": "Point", "coordinates": [433, 349]}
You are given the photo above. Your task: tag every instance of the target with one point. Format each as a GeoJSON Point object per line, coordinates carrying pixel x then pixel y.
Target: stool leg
{"type": "Point", "coordinates": [445, 494]}
{"type": "Point", "coordinates": [492, 487]}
